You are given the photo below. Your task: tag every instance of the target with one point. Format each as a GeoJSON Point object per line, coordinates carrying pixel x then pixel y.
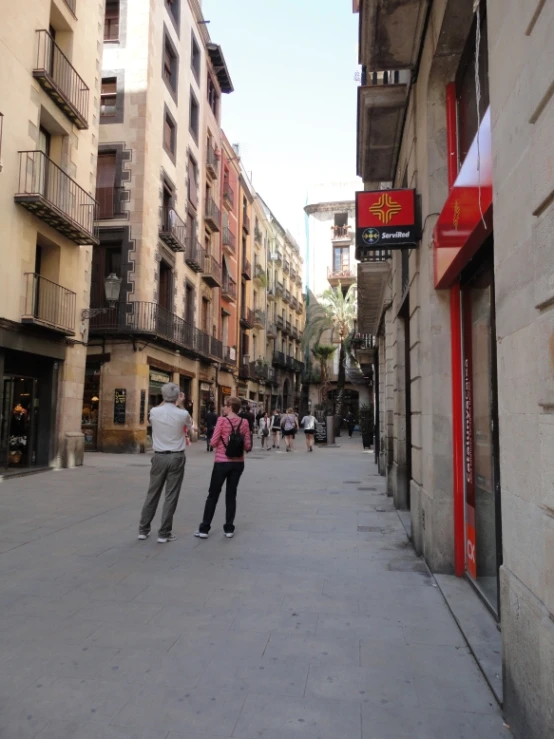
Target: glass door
{"type": "Point", "coordinates": [482, 480]}
{"type": "Point", "coordinates": [18, 422]}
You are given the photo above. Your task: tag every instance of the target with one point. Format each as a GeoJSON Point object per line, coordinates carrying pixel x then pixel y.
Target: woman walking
{"type": "Point", "coordinates": [308, 424]}
{"type": "Point", "coordinates": [289, 424]}
{"type": "Point", "coordinates": [276, 427]}
{"type": "Point", "coordinates": [231, 439]}
{"type": "Point", "coordinates": [264, 425]}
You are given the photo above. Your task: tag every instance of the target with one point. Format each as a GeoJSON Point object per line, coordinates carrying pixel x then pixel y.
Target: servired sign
{"type": "Point", "coordinates": [385, 219]}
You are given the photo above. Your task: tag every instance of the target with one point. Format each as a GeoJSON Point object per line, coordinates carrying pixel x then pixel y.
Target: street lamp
{"type": "Point", "coordinates": [112, 288]}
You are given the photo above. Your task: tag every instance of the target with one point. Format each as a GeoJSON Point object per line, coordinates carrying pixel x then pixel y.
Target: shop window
{"type": "Point", "coordinates": [170, 65]}
{"type": "Point", "coordinates": [466, 94]}
{"type": "Point", "coordinates": [111, 21]}
{"type": "Point", "coordinates": [108, 98]}
{"type": "Point", "coordinates": [195, 59]}
{"type": "Point", "coordinates": [194, 116]}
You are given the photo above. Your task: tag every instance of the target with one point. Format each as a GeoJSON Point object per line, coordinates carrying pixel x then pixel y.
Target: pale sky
{"type": "Point", "coordinates": [293, 112]}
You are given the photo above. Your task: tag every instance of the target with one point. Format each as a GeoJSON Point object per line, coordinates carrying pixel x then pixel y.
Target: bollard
{"type": "Point", "coordinates": [330, 430]}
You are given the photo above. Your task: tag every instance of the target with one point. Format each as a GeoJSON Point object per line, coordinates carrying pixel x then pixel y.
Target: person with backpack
{"type": "Point", "coordinates": [264, 425]}
{"type": "Point", "coordinates": [231, 439]}
{"type": "Point", "coordinates": [289, 424]}
{"type": "Point", "coordinates": [276, 428]}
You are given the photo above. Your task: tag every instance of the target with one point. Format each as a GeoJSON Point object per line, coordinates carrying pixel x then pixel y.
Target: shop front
{"type": "Point", "coordinates": [207, 400]}
{"type": "Point", "coordinates": [91, 400]}
{"type": "Point", "coordinates": [464, 263]}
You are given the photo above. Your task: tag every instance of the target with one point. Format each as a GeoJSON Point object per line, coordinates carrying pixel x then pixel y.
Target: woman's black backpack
{"type": "Point", "coordinates": [235, 446]}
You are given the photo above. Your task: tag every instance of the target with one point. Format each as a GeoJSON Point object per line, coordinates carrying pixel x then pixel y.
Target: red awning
{"type": "Point", "coordinates": [460, 230]}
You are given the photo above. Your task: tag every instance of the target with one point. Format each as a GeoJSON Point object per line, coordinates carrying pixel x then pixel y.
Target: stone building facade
{"type": "Point", "coordinates": [49, 60]}
{"type": "Point", "coordinates": [463, 363]}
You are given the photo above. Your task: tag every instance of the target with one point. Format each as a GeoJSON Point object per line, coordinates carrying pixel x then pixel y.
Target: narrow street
{"type": "Point", "coordinates": [316, 621]}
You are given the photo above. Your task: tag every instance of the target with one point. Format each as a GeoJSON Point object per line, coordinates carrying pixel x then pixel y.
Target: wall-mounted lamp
{"type": "Point", "coordinates": [112, 288]}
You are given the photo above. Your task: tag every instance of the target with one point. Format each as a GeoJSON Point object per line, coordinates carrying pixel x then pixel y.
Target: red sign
{"type": "Point", "coordinates": [466, 218]}
{"type": "Point", "coordinates": [385, 219]}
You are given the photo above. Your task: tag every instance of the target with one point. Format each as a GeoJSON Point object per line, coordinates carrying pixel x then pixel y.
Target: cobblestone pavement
{"type": "Point", "coordinates": [316, 621]}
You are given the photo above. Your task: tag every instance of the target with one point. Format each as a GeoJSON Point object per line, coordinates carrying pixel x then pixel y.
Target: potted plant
{"type": "Point", "coordinates": [366, 424]}
{"type": "Point", "coordinates": [17, 447]}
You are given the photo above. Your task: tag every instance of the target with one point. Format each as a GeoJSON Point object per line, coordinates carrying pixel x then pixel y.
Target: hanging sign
{"type": "Point", "coordinates": [385, 219]}
{"type": "Point", "coordinates": [158, 378]}
{"type": "Point", "coordinates": [119, 406]}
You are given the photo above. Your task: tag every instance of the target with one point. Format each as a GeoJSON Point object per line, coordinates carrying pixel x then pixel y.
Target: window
{"type": "Point", "coordinates": [205, 316]}
{"type": "Point", "coordinates": [213, 96]}
{"type": "Point", "coordinates": [173, 9]}
{"type": "Point", "coordinates": [108, 97]}
{"type": "Point", "coordinates": [111, 21]}
{"type": "Point", "coordinates": [195, 57]}
{"type": "Point", "coordinates": [169, 134]}
{"type": "Point", "coordinates": [194, 112]}
{"type": "Point", "coordinates": [165, 286]}
{"type": "Point", "coordinates": [105, 184]}
{"type": "Point", "coordinates": [192, 182]}
{"type": "Point", "coordinates": [341, 219]}
{"type": "Point", "coordinates": [170, 65]}
{"type": "Point", "coordinates": [167, 195]}
{"type": "Point", "coordinates": [190, 302]}
{"type": "Point", "coordinates": [341, 259]}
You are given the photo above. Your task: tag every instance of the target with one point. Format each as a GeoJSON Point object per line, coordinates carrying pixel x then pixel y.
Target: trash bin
{"type": "Point", "coordinates": [330, 430]}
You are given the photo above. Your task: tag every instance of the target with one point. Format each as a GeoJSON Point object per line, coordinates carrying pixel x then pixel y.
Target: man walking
{"type": "Point", "coordinates": [170, 422]}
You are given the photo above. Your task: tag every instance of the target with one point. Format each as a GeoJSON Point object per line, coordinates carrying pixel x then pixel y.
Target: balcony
{"type": "Point", "coordinates": [258, 237]}
{"type": "Point", "coordinates": [293, 274]}
{"type": "Point", "coordinates": [245, 368]}
{"type": "Point", "coordinates": [344, 276]}
{"type": "Point", "coordinates": [49, 305]}
{"type": "Point", "coordinates": [279, 288]}
{"type": "Point", "coordinates": [290, 363]}
{"type": "Point", "coordinates": [172, 229]}
{"type": "Point", "coordinates": [229, 290]}
{"type": "Point", "coordinates": [373, 277]}
{"type": "Point", "coordinates": [247, 317]}
{"type": "Point", "coordinates": [56, 75]}
{"type": "Point", "coordinates": [286, 296]}
{"type": "Point", "coordinates": [246, 269]}
{"type": "Point", "coordinates": [194, 254]}
{"type": "Point", "coordinates": [229, 355]}
{"type": "Point", "coordinates": [216, 348]}
{"type": "Point", "coordinates": [277, 256]}
{"type": "Point", "coordinates": [259, 318]}
{"type": "Point", "coordinates": [293, 303]}
{"type": "Point", "coordinates": [228, 241]}
{"type": "Point", "coordinates": [278, 359]}
{"type": "Point", "coordinates": [287, 328]}
{"type": "Point", "coordinates": [271, 331]}
{"type": "Point", "coordinates": [294, 332]}
{"type": "Point", "coordinates": [212, 162]}
{"type": "Point", "coordinates": [212, 214]}
{"type": "Point", "coordinates": [286, 266]}
{"type": "Point", "coordinates": [271, 294]}
{"type": "Point", "coordinates": [259, 271]}
{"type": "Point", "coordinates": [109, 202]}
{"type": "Point", "coordinates": [260, 370]}
{"type": "Point", "coordinates": [299, 280]}
{"type": "Point", "coordinates": [49, 193]}
{"type": "Point", "coordinates": [298, 366]}
{"type": "Point", "coordinates": [228, 196]}
{"type": "Point", "coordinates": [280, 321]}
{"type": "Point", "coordinates": [150, 321]}
{"type": "Point", "coordinates": [211, 273]}
{"type": "Point", "coordinates": [341, 234]}
{"type": "Point", "coordinates": [245, 222]}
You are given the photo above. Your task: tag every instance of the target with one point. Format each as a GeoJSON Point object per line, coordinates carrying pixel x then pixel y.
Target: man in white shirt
{"type": "Point", "coordinates": [169, 424]}
{"type": "Point", "coordinates": [308, 424]}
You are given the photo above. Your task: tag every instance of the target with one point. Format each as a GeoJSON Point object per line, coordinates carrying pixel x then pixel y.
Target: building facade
{"type": "Point", "coordinates": [49, 63]}
{"type": "Point", "coordinates": [463, 321]}
{"type": "Point", "coordinates": [330, 261]}
{"type": "Point", "coordinates": [160, 190]}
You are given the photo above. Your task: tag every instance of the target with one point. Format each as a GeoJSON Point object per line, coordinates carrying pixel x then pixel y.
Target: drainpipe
{"type": "Point", "coordinates": [456, 356]}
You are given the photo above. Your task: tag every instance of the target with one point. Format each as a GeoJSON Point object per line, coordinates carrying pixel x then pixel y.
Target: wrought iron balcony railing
{"type": "Point", "coordinates": [228, 241]}
{"type": "Point", "coordinates": [246, 269]}
{"type": "Point", "coordinates": [49, 193]}
{"type": "Point", "coordinates": [194, 254]}
{"type": "Point", "coordinates": [259, 271]}
{"type": "Point", "coordinates": [247, 317]}
{"type": "Point", "coordinates": [216, 348]}
{"type": "Point", "coordinates": [49, 305]}
{"type": "Point", "coordinates": [60, 80]}
{"type": "Point", "coordinates": [229, 355]}
{"type": "Point", "coordinates": [245, 368]}
{"type": "Point", "coordinates": [341, 233]}
{"type": "Point", "coordinates": [344, 274]}
{"type": "Point", "coordinates": [228, 195]}
{"type": "Point", "coordinates": [271, 331]}
{"type": "Point", "coordinates": [229, 289]}
{"type": "Point", "coordinates": [212, 275]}
{"type": "Point", "coordinates": [280, 321]}
{"type": "Point", "coordinates": [286, 266]}
{"type": "Point", "coordinates": [288, 327]}
{"type": "Point", "coordinates": [172, 229]}
{"type": "Point", "coordinates": [286, 296]}
{"type": "Point", "coordinates": [279, 288]}
{"type": "Point", "coordinates": [259, 318]}
{"type": "Point", "coordinates": [212, 214]}
{"type": "Point", "coordinates": [212, 161]}
{"type": "Point", "coordinates": [279, 359]}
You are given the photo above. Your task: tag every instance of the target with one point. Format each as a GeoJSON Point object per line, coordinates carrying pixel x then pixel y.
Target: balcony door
{"type": "Point", "coordinates": [341, 260]}
{"type": "Point", "coordinates": [40, 174]}
{"type": "Point", "coordinates": [105, 185]}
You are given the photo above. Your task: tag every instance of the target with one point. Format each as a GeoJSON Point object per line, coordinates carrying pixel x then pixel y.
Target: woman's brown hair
{"type": "Point", "coordinates": [233, 404]}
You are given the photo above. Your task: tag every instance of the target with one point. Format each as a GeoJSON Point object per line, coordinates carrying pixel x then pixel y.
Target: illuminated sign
{"type": "Point", "coordinates": [385, 219]}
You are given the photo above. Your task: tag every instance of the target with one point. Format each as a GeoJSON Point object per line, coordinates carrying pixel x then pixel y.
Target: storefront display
{"type": "Point", "coordinates": [19, 421]}
{"type": "Point", "coordinates": [91, 400]}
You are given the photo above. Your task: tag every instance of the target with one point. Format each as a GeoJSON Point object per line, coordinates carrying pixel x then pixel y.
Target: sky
{"type": "Point", "coordinates": [293, 112]}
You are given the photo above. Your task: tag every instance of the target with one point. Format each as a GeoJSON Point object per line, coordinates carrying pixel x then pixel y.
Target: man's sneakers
{"type": "Point", "coordinates": [142, 537]}
{"type": "Point", "coordinates": [166, 539]}
{"type": "Point", "coordinates": [201, 534]}
{"type": "Point", "coordinates": [229, 534]}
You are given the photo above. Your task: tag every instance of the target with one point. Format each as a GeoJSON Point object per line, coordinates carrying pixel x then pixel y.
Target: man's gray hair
{"type": "Point", "coordinates": [170, 392]}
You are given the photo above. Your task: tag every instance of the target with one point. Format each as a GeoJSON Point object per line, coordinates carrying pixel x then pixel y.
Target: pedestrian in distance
{"type": "Point", "coordinates": [289, 424]}
{"type": "Point", "coordinates": [231, 439]}
{"type": "Point", "coordinates": [308, 424]}
{"type": "Point", "coordinates": [276, 428]}
{"type": "Point", "coordinates": [350, 423]}
{"type": "Point", "coordinates": [211, 420]}
{"type": "Point", "coordinates": [170, 422]}
{"type": "Point", "coordinates": [248, 416]}
{"type": "Point", "coordinates": [264, 426]}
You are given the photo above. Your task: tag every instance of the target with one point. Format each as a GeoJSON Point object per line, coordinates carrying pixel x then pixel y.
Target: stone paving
{"type": "Point", "coordinates": [316, 621]}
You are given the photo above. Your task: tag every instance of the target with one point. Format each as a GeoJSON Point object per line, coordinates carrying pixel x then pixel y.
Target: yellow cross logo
{"type": "Point", "coordinates": [385, 208]}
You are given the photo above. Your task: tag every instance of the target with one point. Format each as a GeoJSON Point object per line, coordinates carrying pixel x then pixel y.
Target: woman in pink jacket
{"type": "Point", "coordinates": [226, 468]}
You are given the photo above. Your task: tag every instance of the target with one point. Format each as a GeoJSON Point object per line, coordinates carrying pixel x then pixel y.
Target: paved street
{"type": "Point", "coordinates": [316, 622]}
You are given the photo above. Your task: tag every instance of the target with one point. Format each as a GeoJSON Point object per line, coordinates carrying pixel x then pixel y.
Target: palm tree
{"type": "Point", "coordinates": [335, 311]}
{"type": "Point", "coordinates": [323, 352]}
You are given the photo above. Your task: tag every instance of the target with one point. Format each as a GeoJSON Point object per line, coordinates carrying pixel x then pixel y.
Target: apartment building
{"type": "Point", "coordinates": [160, 190]}
{"type": "Point", "coordinates": [49, 61]}
{"type": "Point", "coordinates": [330, 262]}
{"type": "Point", "coordinates": [454, 107]}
